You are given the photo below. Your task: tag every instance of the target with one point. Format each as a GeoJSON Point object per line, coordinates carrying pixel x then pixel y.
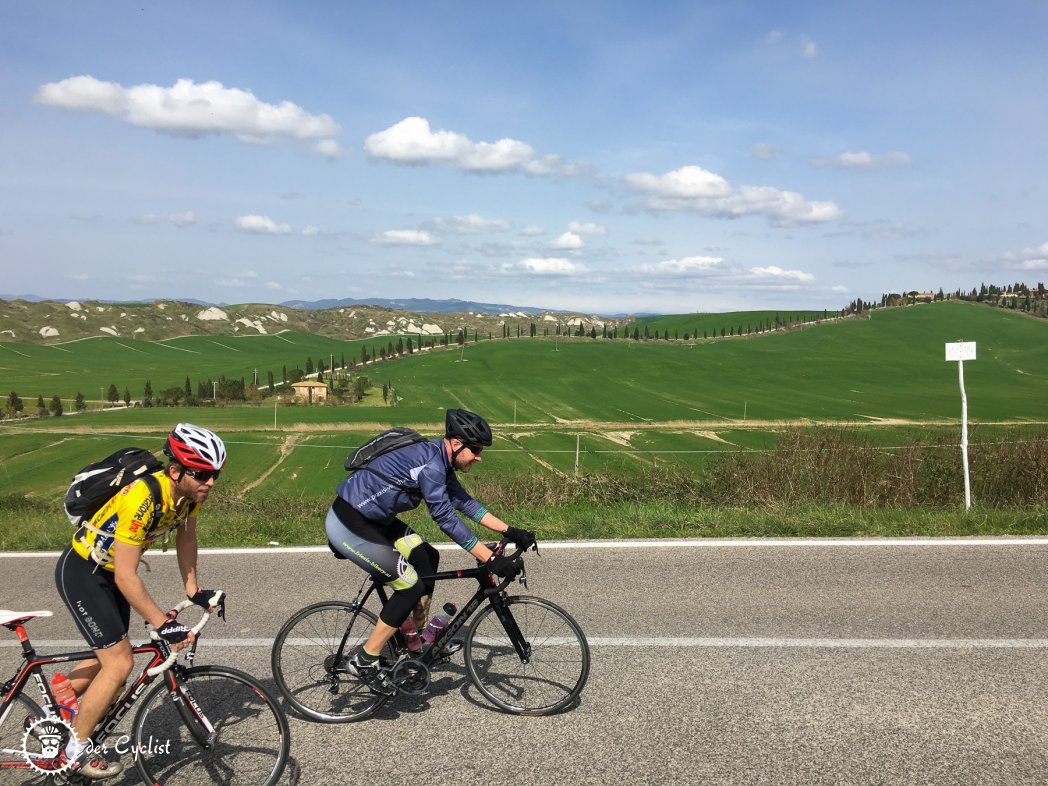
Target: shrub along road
{"type": "Point", "coordinates": [829, 661]}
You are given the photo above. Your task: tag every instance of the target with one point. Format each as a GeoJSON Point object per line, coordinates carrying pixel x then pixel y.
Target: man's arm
{"type": "Point", "coordinates": [125, 567]}
{"type": "Point", "coordinates": [186, 549]}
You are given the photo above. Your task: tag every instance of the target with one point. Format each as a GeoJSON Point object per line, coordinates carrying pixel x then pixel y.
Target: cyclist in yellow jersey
{"type": "Point", "coordinates": [97, 576]}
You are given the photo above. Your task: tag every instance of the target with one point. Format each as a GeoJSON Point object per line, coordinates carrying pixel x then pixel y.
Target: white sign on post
{"type": "Point", "coordinates": [961, 351]}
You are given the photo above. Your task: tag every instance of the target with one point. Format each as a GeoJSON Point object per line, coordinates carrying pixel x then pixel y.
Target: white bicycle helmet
{"type": "Point", "coordinates": [195, 447]}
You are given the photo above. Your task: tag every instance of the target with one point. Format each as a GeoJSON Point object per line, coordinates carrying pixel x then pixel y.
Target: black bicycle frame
{"type": "Point", "coordinates": [493, 592]}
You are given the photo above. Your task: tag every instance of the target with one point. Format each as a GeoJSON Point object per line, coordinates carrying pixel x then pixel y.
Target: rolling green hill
{"type": "Point", "coordinates": [888, 365]}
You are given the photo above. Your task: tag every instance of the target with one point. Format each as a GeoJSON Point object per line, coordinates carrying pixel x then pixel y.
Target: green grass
{"type": "Point", "coordinates": [299, 521]}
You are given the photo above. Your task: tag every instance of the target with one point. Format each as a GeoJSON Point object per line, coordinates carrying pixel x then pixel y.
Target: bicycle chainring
{"type": "Point", "coordinates": [410, 677]}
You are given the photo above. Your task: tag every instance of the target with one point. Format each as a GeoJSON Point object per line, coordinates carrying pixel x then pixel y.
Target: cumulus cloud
{"type": "Point", "coordinates": [405, 237]}
{"type": "Point", "coordinates": [470, 224]}
{"type": "Point", "coordinates": [532, 231]}
{"type": "Point", "coordinates": [552, 266]}
{"type": "Point", "coordinates": [686, 266]}
{"type": "Point", "coordinates": [412, 141]}
{"type": "Point", "coordinates": [329, 148]}
{"type": "Point", "coordinates": [694, 189]}
{"type": "Point", "coordinates": [191, 109]}
{"type": "Point", "coordinates": [1031, 260]}
{"type": "Point", "coordinates": [310, 231]}
{"type": "Point", "coordinates": [775, 272]}
{"type": "Point", "coordinates": [580, 228]}
{"type": "Point", "coordinates": [261, 225]}
{"type": "Point", "coordinates": [568, 241]}
{"type": "Point", "coordinates": [863, 160]}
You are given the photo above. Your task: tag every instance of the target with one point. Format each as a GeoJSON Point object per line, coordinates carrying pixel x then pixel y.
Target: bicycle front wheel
{"type": "Point", "coordinates": [548, 672]}
{"type": "Point", "coordinates": [309, 662]}
{"type": "Point", "coordinates": [220, 726]}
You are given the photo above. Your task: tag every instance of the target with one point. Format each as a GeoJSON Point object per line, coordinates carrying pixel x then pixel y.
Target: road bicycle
{"type": "Point", "coordinates": [524, 654]}
{"type": "Point", "coordinates": [200, 724]}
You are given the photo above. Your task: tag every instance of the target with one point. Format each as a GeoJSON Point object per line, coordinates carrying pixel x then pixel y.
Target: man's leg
{"type": "Point", "coordinates": [113, 667]}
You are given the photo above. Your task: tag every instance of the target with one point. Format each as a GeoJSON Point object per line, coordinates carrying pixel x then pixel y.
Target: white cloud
{"type": "Point", "coordinates": [773, 37]}
{"type": "Point", "coordinates": [411, 141]}
{"type": "Point", "coordinates": [272, 285]}
{"type": "Point", "coordinates": [863, 160]}
{"type": "Point", "coordinates": [552, 266]}
{"type": "Point", "coordinates": [405, 237]}
{"type": "Point", "coordinates": [310, 231]}
{"type": "Point", "coordinates": [688, 182]}
{"type": "Point", "coordinates": [567, 241]}
{"type": "Point", "coordinates": [189, 109]}
{"type": "Point", "coordinates": [587, 229]}
{"type": "Point", "coordinates": [471, 224]}
{"type": "Point", "coordinates": [808, 48]}
{"type": "Point", "coordinates": [532, 231]}
{"type": "Point", "coordinates": [693, 189]}
{"type": "Point", "coordinates": [329, 148]}
{"type": "Point", "coordinates": [777, 273]}
{"type": "Point", "coordinates": [261, 225]}
{"type": "Point", "coordinates": [684, 266]}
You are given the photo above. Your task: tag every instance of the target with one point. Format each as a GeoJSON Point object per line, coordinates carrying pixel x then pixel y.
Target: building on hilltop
{"type": "Point", "coordinates": [310, 392]}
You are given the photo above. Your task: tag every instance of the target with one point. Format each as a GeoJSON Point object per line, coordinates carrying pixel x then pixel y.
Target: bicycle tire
{"type": "Point", "coordinates": [12, 730]}
{"type": "Point", "coordinates": [247, 739]}
{"type": "Point", "coordinates": [554, 674]}
{"type": "Point", "coordinates": [303, 663]}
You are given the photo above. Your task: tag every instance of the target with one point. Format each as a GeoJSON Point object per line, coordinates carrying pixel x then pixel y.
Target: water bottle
{"type": "Point", "coordinates": [65, 697]}
{"type": "Point", "coordinates": [411, 637]}
{"type": "Point", "coordinates": [438, 623]}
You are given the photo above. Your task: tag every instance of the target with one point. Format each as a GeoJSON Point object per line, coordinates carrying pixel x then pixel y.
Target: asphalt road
{"type": "Point", "coordinates": [798, 662]}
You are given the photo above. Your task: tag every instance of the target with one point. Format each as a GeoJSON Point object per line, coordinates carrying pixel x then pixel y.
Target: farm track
{"type": "Point", "coordinates": [286, 448]}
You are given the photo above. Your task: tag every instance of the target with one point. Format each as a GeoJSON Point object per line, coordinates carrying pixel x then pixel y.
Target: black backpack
{"type": "Point", "coordinates": [97, 483]}
{"type": "Point", "coordinates": [379, 445]}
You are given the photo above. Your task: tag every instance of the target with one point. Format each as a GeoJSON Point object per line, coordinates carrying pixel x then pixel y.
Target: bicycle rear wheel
{"type": "Point", "coordinates": [223, 727]}
{"type": "Point", "coordinates": [310, 669]}
{"type": "Point", "coordinates": [12, 731]}
{"type": "Point", "coordinates": [553, 669]}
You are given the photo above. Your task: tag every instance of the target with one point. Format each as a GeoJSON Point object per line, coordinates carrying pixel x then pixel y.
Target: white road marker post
{"type": "Point", "coordinates": [961, 351]}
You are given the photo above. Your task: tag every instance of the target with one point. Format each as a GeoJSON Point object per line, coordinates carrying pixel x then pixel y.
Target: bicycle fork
{"type": "Point", "coordinates": [521, 645]}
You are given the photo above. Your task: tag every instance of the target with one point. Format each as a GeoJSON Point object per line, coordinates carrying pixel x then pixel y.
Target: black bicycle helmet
{"type": "Point", "coordinates": [467, 426]}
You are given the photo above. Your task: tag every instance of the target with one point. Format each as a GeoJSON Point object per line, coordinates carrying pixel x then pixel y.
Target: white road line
{"type": "Point", "coordinates": [44, 646]}
{"type": "Point", "coordinates": [670, 543]}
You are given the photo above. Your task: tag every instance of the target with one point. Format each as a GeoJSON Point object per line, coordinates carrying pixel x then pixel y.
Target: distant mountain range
{"type": "Point", "coordinates": [426, 305]}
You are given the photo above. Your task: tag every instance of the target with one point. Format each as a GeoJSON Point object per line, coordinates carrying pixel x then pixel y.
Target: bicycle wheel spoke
{"type": "Point", "coordinates": [227, 731]}
{"type": "Point", "coordinates": [555, 667]}
{"type": "Point", "coordinates": [12, 728]}
{"type": "Point", "coordinates": [309, 671]}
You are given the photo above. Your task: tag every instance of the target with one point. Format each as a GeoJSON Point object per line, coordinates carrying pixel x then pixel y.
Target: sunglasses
{"type": "Point", "coordinates": [475, 449]}
{"type": "Point", "coordinates": [203, 475]}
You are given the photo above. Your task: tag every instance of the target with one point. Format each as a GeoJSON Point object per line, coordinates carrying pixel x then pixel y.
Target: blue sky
{"type": "Point", "coordinates": [602, 157]}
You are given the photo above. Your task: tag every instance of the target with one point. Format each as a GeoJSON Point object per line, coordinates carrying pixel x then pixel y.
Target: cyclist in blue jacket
{"type": "Point", "coordinates": [362, 526]}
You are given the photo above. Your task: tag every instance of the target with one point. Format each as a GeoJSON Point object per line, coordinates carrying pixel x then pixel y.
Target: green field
{"type": "Point", "coordinates": [610, 407]}
{"type": "Point", "coordinates": [888, 366]}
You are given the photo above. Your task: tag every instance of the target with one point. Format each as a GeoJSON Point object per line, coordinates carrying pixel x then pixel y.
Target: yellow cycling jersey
{"type": "Point", "coordinates": [128, 517]}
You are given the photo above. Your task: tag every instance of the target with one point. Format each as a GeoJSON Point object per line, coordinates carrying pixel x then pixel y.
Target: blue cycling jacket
{"type": "Point", "coordinates": [405, 478]}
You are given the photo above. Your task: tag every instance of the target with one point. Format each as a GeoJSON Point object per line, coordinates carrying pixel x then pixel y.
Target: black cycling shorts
{"type": "Point", "coordinates": [392, 553]}
{"type": "Point", "coordinates": [102, 613]}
